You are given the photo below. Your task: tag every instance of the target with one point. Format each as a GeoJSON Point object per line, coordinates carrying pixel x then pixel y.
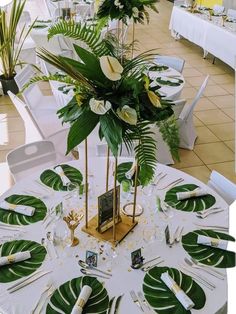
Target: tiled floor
{"type": "Point", "coordinates": [214, 115]}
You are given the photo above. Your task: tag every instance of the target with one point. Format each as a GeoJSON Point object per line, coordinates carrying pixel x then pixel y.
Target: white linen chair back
{"type": "Point", "coordinates": [32, 130]}
{"type": "Point", "coordinates": [24, 75]}
{"type": "Point", "coordinates": [223, 186]}
{"type": "Point", "coordinates": [53, 45]}
{"type": "Point", "coordinates": [187, 132]}
{"type": "Point", "coordinates": [231, 13]}
{"type": "Point", "coordinates": [188, 109]}
{"type": "Point", "coordinates": [218, 9]}
{"type": "Point", "coordinates": [178, 107]}
{"type": "Point", "coordinates": [173, 62]}
{"type": "Point", "coordinates": [31, 157]}
{"type": "Point", "coordinates": [51, 6]}
{"type": "Point", "coordinates": [34, 133]}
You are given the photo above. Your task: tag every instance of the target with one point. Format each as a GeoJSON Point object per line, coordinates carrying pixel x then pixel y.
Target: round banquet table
{"type": "Point", "coordinates": [123, 278]}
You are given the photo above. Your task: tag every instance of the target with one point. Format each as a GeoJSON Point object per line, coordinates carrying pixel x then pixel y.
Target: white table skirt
{"type": "Point", "coordinates": [124, 279]}
{"type": "Point", "coordinates": [217, 40]}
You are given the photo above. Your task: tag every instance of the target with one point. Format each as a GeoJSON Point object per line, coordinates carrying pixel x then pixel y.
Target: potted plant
{"type": "Point", "coordinates": [10, 47]}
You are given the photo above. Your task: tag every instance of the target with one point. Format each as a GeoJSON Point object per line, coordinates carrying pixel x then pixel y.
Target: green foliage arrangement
{"type": "Point", "coordinates": [111, 91]}
{"type": "Point", "coordinates": [126, 9]}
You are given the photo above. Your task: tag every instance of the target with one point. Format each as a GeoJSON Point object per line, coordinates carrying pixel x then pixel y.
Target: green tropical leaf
{"type": "Point", "coordinates": [12, 218]}
{"type": "Point", "coordinates": [54, 181]}
{"type": "Point", "coordinates": [163, 300]}
{"type": "Point", "coordinates": [193, 204]}
{"type": "Point", "coordinates": [206, 254]}
{"type": "Point", "coordinates": [90, 68]}
{"type": "Point", "coordinates": [111, 129]}
{"type": "Point", "coordinates": [22, 269]}
{"type": "Point", "coordinates": [81, 129]}
{"type": "Point", "coordinates": [64, 298]}
{"type": "Point", "coordinates": [126, 166]}
{"type": "Point", "coordinates": [80, 31]}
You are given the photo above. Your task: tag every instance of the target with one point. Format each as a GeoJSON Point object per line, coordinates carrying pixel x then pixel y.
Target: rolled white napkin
{"type": "Point", "coordinates": [82, 300]}
{"type": "Point", "coordinates": [213, 242]}
{"type": "Point", "coordinates": [129, 174]}
{"type": "Point", "coordinates": [179, 293]}
{"type": "Point", "coordinates": [62, 175]}
{"type": "Point", "coordinates": [14, 258]}
{"type": "Point", "coordinates": [195, 193]}
{"type": "Point", "coordinates": [20, 209]}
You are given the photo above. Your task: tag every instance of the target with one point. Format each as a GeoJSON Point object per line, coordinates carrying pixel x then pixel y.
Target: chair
{"type": "Point", "coordinates": [162, 153]}
{"type": "Point", "coordinates": [32, 95]}
{"type": "Point", "coordinates": [231, 13]}
{"type": "Point", "coordinates": [187, 132]}
{"type": "Point", "coordinates": [223, 186]}
{"type": "Point", "coordinates": [46, 131]}
{"type": "Point", "coordinates": [173, 62]}
{"type": "Point", "coordinates": [218, 9]}
{"type": "Point", "coordinates": [61, 98]}
{"type": "Point", "coordinates": [31, 157]}
{"type": "Point", "coordinates": [27, 53]}
{"type": "Point", "coordinates": [178, 106]}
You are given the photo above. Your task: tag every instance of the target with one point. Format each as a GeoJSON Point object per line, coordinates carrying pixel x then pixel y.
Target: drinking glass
{"type": "Point", "coordinates": [149, 234]}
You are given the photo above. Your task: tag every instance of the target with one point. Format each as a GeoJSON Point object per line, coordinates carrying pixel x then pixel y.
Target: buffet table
{"type": "Point", "coordinates": [124, 278]}
{"type": "Point", "coordinates": [215, 39]}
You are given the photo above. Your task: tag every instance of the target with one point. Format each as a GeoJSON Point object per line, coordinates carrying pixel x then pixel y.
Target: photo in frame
{"type": "Point", "coordinates": [91, 258]}
{"type": "Point", "coordinates": [136, 258]}
{"type": "Point", "coordinates": [105, 210]}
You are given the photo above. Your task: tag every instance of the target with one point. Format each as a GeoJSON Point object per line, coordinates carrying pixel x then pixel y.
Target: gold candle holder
{"type": "Point", "coordinates": [72, 220]}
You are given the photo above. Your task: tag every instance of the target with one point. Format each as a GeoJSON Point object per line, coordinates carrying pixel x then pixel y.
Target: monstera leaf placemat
{"type": "Point", "coordinates": [169, 82]}
{"type": "Point", "coordinates": [18, 270]}
{"type": "Point", "coordinates": [64, 298]}
{"type": "Point", "coordinates": [162, 299]}
{"type": "Point", "coordinates": [126, 166]}
{"type": "Point", "coordinates": [208, 255]}
{"type": "Point", "coordinates": [53, 180]}
{"type": "Point", "coordinates": [12, 218]}
{"type": "Point", "coordinates": [193, 204]}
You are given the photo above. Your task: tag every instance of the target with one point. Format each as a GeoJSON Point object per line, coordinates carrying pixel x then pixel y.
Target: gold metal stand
{"type": "Point", "coordinates": [108, 167]}
{"type": "Point", "coordinates": [86, 183]}
{"type": "Point", "coordinates": [135, 190]}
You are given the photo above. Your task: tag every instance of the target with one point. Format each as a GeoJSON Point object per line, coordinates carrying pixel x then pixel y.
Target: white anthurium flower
{"type": "Point", "coordinates": [127, 114]}
{"type": "Point", "coordinates": [111, 68]}
{"type": "Point", "coordinates": [99, 106]}
{"type": "Point", "coordinates": [135, 12]}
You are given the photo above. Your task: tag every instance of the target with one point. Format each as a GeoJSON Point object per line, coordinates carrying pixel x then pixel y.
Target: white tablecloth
{"type": "Point", "coordinates": [124, 279]}
{"type": "Point", "coordinates": [215, 39]}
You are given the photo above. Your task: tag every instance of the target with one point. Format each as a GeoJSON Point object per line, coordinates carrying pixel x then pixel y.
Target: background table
{"type": "Point", "coordinates": [124, 279]}
{"type": "Point", "coordinates": [217, 40]}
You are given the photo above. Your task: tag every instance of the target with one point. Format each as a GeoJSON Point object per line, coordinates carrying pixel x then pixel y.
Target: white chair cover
{"type": "Point", "coordinates": [35, 131]}
{"type": "Point", "coordinates": [223, 186]}
{"type": "Point", "coordinates": [187, 130]}
{"type": "Point", "coordinates": [28, 158]}
{"type": "Point", "coordinates": [173, 62]}
{"type": "Point", "coordinates": [231, 13]}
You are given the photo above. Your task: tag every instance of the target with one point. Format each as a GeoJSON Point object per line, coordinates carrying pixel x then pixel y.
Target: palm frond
{"type": "Point", "coordinates": [170, 134]}
{"type": "Point", "coordinates": [83, 32]}
{"type": "Point", "coordinates": [60, 63]}
{"type": "Point", "coordinates": [145, 148]}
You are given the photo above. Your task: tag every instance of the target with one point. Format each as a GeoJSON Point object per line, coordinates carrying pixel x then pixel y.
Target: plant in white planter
{"type": "Point", "coordinates": [10, 48]}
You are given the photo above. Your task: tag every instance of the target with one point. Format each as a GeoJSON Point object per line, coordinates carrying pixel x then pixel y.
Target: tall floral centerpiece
{"type": "Point", "coordinates": [111, 91]}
